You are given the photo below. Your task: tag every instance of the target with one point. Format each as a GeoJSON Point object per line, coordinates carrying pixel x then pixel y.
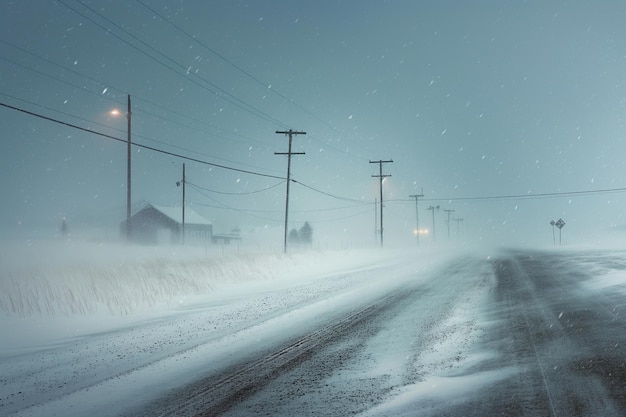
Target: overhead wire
{"type": "Point", "coordinates": [252, 212]}
{"type": "Point", "coordinates": [479, 198]}
{"type": "Point", "coordinates": [220, 93]}
{"type": "Point", "coordinates": [237, 194]}
{"type": "Point", "coordinates": [528, 196]}
{"type": "Point", "coordinates": [119, 130]}
{"type": "Point", "coordinates": [138, 145]}
{"type": "Point", "coordinates": [250, 76]}
{"type": "Point", "coordinates": [329, 194]}
{"type": "Point", "coordinates": [107, 87]}
{"type": "Point", "coordinates": [177, 155]}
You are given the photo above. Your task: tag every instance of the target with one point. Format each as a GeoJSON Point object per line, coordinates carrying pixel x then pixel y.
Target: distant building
{"type": "Point", "coordinates": [162, 225]}
{"type": "Point", "coordinates": [225, 238]}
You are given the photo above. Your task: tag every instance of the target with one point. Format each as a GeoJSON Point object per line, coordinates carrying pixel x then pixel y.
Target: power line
{"type": "Point", "coordinates": [121, 131]}
{"type": "Point", "coordinates": [249, 75]}
{"type": "Point", "coordinates": [99, 95]}
{"type": "Point", "coordinates": [107, 87]}
{"type": "Point", "coordinates": [329, 194]}
{"type": "Point", "coordinates": [528, 196]}
{"type": "Point", "coordinates": [151, 148]}
{"type": "Point", "coordinates": [244, 193]}
{"type": "Point", "coordinates": [221, 93]}
{"type": "Point", "coordinates": [177, 155]}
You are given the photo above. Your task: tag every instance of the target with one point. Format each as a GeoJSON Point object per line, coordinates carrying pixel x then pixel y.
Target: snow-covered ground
{"type": "Point", "coordinates": [82, 323]}
{"type": "Point", "coordinates": [50, 291]}
{"type": "Point", "coordinates": [97, 329]}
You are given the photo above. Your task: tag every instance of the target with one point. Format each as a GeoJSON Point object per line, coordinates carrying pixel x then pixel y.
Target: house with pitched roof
{"type": "Point", "coordinates": [155, 225]}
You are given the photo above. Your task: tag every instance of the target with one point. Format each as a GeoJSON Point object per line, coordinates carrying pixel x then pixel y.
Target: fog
{"type": "Point", "coordinates": [511, 114]}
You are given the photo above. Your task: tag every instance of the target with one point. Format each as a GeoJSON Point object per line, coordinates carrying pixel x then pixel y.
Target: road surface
{"type": "Point", "coordinates": [517, 333]}
{"type": "Point", "coordinates": [533, 342]}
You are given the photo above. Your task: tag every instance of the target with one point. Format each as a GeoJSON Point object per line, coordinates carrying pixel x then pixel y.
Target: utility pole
{"type": "Point", "coordinates": [449, 211]}
{"type": "Point", "coordinates": [128, 194]}
{"type": "Point", "coordinates": [375, 220]}
{"type": "Point", "coordinates": [380, 176]}
{"type": "Point", "coordinates": [417, 217]}
{"type": "Point", "coordinates": [458, 220]}
{"type": "Point", "coordinates": [432, 208]}
{"type": "Point", "coordinates": [183, 217]}
{"type": "Point", "coordinates": [291, 133]}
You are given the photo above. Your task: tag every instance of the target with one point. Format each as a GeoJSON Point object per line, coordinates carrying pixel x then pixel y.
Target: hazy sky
{"type": "Point", "coordinates": [469, 99]}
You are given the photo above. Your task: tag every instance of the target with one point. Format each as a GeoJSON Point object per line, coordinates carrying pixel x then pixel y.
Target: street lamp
{"type": "Point", "coordinates": [117, 112]}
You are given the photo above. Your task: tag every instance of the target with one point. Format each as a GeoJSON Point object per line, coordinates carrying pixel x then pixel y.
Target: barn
{"type": "Point", "coordinates": [163, 225]}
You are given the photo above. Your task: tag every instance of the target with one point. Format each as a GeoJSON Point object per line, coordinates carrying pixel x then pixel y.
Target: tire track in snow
{"type": "Point", "coordinates": [215, 395]}
{"type": "Point", "coordinates": [322, 377]}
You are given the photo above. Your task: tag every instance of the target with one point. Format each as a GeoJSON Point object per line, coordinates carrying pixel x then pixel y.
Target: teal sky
{"type": "Point", "coordinates": [469, 99]}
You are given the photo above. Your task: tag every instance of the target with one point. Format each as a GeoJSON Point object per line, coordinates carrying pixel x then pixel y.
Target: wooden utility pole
{"type": "Point", "coordinates": [375, 220]}
{"type": "Point", "coordinates": [128, 193]}
{"type": "Point", "coordinates": [417, 217]}
{"type": "Point", "coordinates": [380, 177]}
{"type": "Point", "coordinates": [449, 211]}
{"type": "Point", "coordinates": [433, 208]}
{"type": "Point", "coordinates": [184, 181]}
{"type": "Point", "coordinates": [178, 183]}
{"type": "Point", "coordinates": [289, 133]}
{"type": "Point", "coordinates": [458, 220]}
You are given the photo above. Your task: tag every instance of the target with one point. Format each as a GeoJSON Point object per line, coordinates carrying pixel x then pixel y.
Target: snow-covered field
{"type": "Point", "coordinates": [96, 329]}
{"type": "Point", "coordinates": [53, 290]}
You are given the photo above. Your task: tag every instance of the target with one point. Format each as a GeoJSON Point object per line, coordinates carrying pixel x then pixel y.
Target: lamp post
{"type": "Point", "coordinates": [128, 182]}
{"type": "Point", "coordinates": [116, 112]}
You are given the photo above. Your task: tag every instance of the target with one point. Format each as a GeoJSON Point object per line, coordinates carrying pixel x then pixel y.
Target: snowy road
{"type": "Point", "coordinates": [515, 333]}
{"type": "Point", "coordinates": [569, 344]}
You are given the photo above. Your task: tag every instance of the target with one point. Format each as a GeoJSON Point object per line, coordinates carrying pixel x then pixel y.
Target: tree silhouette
{"type": "Point", "coordinates": [306, 233]}
{"type": "Point", "coordinates": [294, 237]}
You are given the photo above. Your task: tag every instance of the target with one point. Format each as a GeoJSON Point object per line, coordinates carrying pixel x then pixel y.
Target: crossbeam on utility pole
{"type": "Point", "coordinates": [290, 133]}
{"type": "Point", "coordinates": [380, 177]}
{"type": "Point", "coordinates": [417, 216]}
